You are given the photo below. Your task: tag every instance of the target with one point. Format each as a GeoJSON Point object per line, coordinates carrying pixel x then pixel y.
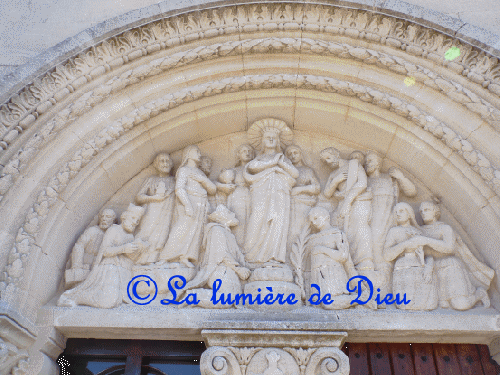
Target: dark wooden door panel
{"type": "Point", "coordinates": [358, 359]}
{"type": "Point", "coordinates": [446, 359]}
{"type": "Point", "coordinates": [490, 367]}
{"type": "Point", "coordinates": [379, 359]}
{"type": "Point", "coordinates": [148, 356]}
{"type": "Point", "coordinates": [402, 359]}
{"type": "Point", "coordinates": [468, 358]}
{"type": "Point", "coordinates": [423, 357]}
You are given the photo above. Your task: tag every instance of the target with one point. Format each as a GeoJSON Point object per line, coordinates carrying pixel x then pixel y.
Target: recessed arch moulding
{"type": "Point", "coordinates": [82, 137]}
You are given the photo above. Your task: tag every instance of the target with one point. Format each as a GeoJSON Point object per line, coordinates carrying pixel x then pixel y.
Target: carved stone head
{"type": "Point", "coordinates": [359, 156]}
{"type": "Point", "coordinates": [270, 134]}
{"type": "Point", "coordinates": [206, 165]}
{"type": "Point", "coordinates": [226, 176]}
{"type": "Point", "coordinates": [222, 215]}
{"type": "Point", "coordinates": [271, 139]}
{"type": "Point", "coordinates": [319, 217]}
{"type": "Point", "coordinates": [330, 156]}
{"type": "Point", "coordinates": [430, 212]}
{"type": "Point", "coordinates": [163, 163]}
{"type": "Point", "coordinates": [404, 212]}
{"type": "Point", "coordinates": [190, 153]}
{"type": "Point", "coordinates": [244, 153]}
{"type": "Point", "coordinates": [131, 218]}
{"type": "Point", "coordinates": [373, 162]}
{"type": "Point", "coordinates": [294, 153]}
{"type": "Point", "coordinates": [106, 218]}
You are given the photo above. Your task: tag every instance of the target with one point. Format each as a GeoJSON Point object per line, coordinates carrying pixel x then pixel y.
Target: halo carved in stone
{"type": "Point", "coordinates": [258, 128]}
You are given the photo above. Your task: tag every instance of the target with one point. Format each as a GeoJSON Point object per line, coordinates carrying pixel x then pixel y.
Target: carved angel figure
{"type": "Point", "coordinates": [156, 196]}
{"type": "Point", "coordinates": [331, 264]}
{"type": "Point", "coordinates": [87, 247]}
{"type": "Point", "coordinates": [191, 208]}
{"type": "Point", "coordinates": [413, 274]}
{"type": "Point", "coordinates": [304, 195]}
{"type": "Point", "coordinates": [271, 177]}
{"type": "Point", "coordinates": [462, 279]}
{"type": "Point", "coordinates": [222, 260]}
{"type": "Point", "coordinates": [106, 285]}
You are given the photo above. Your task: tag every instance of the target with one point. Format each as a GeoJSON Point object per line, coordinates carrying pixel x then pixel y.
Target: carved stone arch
{"type": "Point", "coordinates": [73, 137]}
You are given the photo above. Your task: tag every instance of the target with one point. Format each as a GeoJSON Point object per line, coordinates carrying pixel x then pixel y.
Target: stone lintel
{"type": "Point", "coordinates": [476, 326]}
{"type": "Point", "coordinates": [273, 338]}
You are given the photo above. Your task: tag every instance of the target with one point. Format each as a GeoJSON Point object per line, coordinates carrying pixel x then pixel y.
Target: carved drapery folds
{"type": "Point", "coordinates": [238, 352]}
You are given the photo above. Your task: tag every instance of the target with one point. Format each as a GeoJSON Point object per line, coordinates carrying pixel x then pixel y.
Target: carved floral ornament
{"type": "Point", "coordinates": [271, 45]}
{"type": "Point", "coordinates": [24, 109]}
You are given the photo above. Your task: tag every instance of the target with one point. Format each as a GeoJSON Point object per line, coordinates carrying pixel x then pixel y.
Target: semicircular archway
{"type": "Point", "coordinates": [81, 136]}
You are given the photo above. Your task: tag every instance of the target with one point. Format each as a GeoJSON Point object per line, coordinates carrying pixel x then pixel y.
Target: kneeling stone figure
{"type": "Point", "coordinates": [222, 260]}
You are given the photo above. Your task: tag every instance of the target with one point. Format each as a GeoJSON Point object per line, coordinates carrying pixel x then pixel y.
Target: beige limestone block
{"type": "Point", "coordinates": [213, 69]}
{"type": "Point", "coordinates": [278, 102]}
{"type": "Point", "coordinates": [415, 154]}
{"type": "Point", "coordinates": [388, 81]}
{"type": "Point", "coordinates": [330, 66]}
{"type": "Point", "coordinates": [218, 117]}
{"type": "Point", "coordinates": [487, 139]}
{"type": "Point", "coordinates": [455, 115]}
{"type": "Point", "coordinates": [179, 130]}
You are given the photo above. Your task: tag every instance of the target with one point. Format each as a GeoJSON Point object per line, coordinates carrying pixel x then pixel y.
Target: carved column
{"type": "Point", "coordinates": [272, 352]}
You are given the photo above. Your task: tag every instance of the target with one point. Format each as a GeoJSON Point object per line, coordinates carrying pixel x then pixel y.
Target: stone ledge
{"type": "Point", "coordinates": [477, 326]}
{"type": "Point", "coordinates": [273, 338]}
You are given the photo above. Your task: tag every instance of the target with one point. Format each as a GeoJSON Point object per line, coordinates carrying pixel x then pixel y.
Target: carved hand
{"type": "Point", "coordinates": [342, 176]}
{"type": "Point", "coordinates": [416, 241]}
{"type": "Point", "coordinates": [344, 211]}
{"type": "Point", "coordinates": [396, 173]}
{"type": "Point", "coordinates": [159, 197]}
{"type": "Point", "coordinates": [243, 273]}
{"type": "Point", "coordinates": [226, 188]}
{"type": "Point", "coordinates": [131, 248]}
{"type": "Point", "coordinates": [296, 190]}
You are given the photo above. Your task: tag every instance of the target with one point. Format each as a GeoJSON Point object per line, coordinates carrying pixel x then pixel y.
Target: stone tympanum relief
{"type": "Point", "coordinates": [106, 284]}
{"type": "Point", "coordinates": [269, 227]}
{"type": "Point", "coordinates": [157, 197]}
{"type": "Point", "coordinates": [222, 260]}
{"type": "Point", "coordinates": [413, 272]}
{"type": "Point", "coordinates": [86, 249]}
{"type": "Point", "coordinates": [192, 187]}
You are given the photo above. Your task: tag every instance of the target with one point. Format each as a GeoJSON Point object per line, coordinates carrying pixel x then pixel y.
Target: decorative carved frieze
{"type": "Point", "coordinates": [86, 102]}
{"type": "Point", "coordinates": [23, 109]}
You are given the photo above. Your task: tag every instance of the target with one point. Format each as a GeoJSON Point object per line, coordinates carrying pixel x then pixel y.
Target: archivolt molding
{"type": "Point", "coordinates": [117, 83]}
{"type": "Point", "coordinates": [25, 241]}
{"type": "Point", "coordinates": [23, 109]}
